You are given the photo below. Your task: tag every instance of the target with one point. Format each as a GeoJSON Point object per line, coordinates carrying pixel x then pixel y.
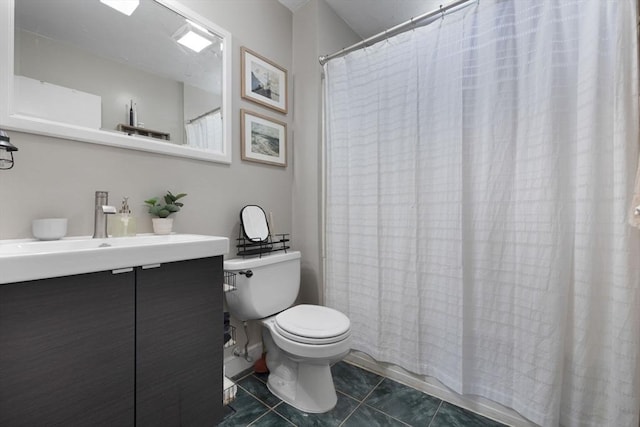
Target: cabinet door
{"type": "Point", "coordinates": [179, 334]}
{"type": "Point", "coordinates": [67, 351]}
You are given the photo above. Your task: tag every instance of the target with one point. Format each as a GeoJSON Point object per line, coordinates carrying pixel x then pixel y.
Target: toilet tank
{"type": "Point", "coordinates": [273, 284]}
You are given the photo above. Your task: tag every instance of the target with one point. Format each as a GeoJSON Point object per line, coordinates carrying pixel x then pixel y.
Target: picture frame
{"type": "Point", "coordinates": [263, 139]}
{"type": "Point", "coordinates": [263, 82]}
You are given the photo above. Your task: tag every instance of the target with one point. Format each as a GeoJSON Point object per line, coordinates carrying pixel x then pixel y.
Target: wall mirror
{"type": "Point", "coordinates": [82, 70]}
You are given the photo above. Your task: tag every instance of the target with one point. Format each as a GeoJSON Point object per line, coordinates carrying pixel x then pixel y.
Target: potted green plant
{"type": "Point", "coordinates": [162, 224]}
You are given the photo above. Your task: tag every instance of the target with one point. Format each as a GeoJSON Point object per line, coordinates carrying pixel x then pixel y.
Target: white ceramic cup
{"type": "Point", "coordinates": [49, 228]}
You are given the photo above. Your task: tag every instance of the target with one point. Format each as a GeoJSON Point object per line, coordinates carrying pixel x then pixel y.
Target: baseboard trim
{"type": "Point", "coordinates": [484, 407]}
{"type": "Point", "coordinates": [233, 365]}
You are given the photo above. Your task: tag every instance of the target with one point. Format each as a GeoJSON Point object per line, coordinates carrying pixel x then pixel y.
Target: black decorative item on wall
{"type": "Point", "coordinates": [6, 151]}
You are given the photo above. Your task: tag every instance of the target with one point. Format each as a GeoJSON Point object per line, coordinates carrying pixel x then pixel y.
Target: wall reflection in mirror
{"type": "Point", "coordinates": [87, 64]}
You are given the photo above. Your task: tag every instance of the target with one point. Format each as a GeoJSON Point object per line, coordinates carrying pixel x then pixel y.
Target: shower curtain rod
{"type": "Point", "coordinates": [400, 28]}
{"type": "Point", "coordinates": [202, 115]}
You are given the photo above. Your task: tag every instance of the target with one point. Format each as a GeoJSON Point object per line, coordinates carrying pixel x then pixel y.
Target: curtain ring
{"type": "Point", "coordinates": [441, 12]}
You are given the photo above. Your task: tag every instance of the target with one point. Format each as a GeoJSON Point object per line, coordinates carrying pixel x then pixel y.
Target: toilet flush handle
{"type": "Point", "coordinates": [247, 273]}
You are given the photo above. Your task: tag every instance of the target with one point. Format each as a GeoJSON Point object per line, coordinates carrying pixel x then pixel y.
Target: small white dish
{"type": "Point", "coordinates": [49, 228]}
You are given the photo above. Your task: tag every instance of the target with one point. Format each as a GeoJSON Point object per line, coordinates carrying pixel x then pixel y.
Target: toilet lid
{"type": "Point", "coordinates": [313, 324]}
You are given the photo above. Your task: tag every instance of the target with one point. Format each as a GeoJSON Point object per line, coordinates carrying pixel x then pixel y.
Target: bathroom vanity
{"type": "Point", "coordinates": [124, 345]}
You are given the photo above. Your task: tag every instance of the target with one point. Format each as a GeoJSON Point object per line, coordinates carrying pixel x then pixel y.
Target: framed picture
{"type": "Point", "coordinates": [263, 81]}
{"type": "Point", "coordinates": [264, 140]}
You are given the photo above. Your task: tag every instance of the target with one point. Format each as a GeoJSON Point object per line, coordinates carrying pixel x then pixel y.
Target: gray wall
{"type": "Point", "coordinates": [317, 30]}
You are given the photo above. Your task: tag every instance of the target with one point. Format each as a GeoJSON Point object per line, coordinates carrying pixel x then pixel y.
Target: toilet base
{"type": "Point", "coordinates": [305, 386]}
{"type": "Point", "coordinates": [312, 392]}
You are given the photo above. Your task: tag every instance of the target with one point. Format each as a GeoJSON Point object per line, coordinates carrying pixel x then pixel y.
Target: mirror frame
{"type": "Point", "coordinates": [9, 120]}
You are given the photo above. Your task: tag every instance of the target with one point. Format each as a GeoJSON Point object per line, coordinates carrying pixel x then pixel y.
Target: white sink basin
{"type": "Point", "coordinates": [22, 260]}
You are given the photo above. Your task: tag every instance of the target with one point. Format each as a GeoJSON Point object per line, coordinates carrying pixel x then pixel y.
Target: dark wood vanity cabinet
{"type": "Point", "coordinates": [179, 332]}
{"type": "Point", "coordinates": [67, 351]}
{"type": "Point", "coordinates": [139, 348]}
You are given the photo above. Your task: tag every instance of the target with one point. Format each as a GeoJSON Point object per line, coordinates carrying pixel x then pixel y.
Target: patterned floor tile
{"type": "Point", "coordinates": [271, 419]}
{"type": "Point", "coordinates": [367, 416]}
{"type": "Point", "coordinates": [247, 409]}
{"type": "Point", "coordinates": [241, 375]}
{"type": "Point", "coordinates": [452, 416]}
{"type": "Point", "coordinates": [404, 403]}
{"type": "Point", "coordinates": [354, 381]}
{"type": "Point", "coordinates": [262, 376]}
{"type": "Point", "coordinates": [335, 417]}
{"type": "Point", "coordinates": [259, 389]}
{"type": "Point", "coordinates": [388, 403]}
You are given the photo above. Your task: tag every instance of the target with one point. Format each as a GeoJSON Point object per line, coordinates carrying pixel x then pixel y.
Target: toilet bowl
{"type": "Point", "coordinates": [300, 353]}
{"type": "Point", "coordinates": [301, 341]}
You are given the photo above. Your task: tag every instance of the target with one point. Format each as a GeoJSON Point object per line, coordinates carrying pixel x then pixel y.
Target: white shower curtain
{"type": "Point", "coordinates": [206, 132]}
{"type": "Point", "coordinates": [479, 174]}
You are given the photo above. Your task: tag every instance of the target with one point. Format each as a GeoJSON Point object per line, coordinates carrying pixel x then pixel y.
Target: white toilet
{"type": "Point", "coordinates": [301, 341]}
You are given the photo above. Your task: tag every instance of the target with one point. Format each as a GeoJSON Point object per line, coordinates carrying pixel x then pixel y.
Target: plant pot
{"type": "Point", "coordinates": [162, 225]}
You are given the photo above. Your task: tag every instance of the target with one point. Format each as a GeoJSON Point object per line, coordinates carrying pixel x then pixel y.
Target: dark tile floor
{"type": "Point", "coordinates": [364, 399]}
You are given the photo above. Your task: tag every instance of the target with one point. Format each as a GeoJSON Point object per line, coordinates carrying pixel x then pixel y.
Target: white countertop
{"type": "Point", "coordinates": [29, 259]}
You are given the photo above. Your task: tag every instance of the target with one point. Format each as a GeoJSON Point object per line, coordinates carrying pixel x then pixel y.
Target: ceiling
{"type": "Point", "coordinates": [370, 17]}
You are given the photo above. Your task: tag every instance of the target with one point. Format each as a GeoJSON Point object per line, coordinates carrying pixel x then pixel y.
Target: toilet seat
{"type": "Point", "coordinates": [313, 324]}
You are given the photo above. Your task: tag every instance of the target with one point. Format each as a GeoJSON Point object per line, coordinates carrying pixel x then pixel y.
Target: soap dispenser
{"type": "Point", "coordinates": [124, 224]}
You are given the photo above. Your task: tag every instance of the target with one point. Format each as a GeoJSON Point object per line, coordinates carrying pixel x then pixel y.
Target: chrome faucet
{"type": "Point", "coordinates": [102, 209]}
